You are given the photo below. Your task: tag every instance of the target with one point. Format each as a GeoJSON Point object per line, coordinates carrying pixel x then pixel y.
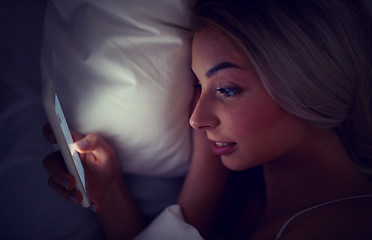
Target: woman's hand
{"type": "Point", "coordinates": [108, 193]}
{"type": "Point", "coordinates": [100, 165]}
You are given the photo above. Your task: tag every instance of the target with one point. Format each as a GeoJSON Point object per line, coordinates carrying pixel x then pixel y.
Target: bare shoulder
{"type": "Point", "coordinates": [345, 219]}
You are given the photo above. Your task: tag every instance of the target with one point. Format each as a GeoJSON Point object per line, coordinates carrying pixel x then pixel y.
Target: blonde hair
{"type": "Point", "coordinates": [313, 57]}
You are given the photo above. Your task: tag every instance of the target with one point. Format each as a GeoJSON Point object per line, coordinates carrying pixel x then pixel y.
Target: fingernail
{"type": "Point", "coordinates": [82, 144]}
{"type": "Point", "coordinates": [93, 208]}
{"type": "Point", "coordinates": [52, 138]}
{"type": "Point", "coordinates": [73, 198]}
{"type": "Point", "coordinates": [66, 183]}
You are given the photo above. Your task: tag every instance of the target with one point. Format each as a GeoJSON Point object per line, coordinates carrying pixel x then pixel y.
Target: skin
{"type": "Point", "coordinates": [107, 191]}
{"type": "Point", "coordinates": [297, 158]}
{"type": "Point", "coordinates": [247, 117]}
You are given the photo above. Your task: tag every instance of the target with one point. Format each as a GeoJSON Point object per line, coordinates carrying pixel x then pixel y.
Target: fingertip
{"type": "Point", "coordinates": [48, 133]}
{"type": "Point", "coordinates": [81, 145]}
{"type": "Point", "coordinates": [68, 183]}
{"type": "Point", "coordinates": [75, 197]}
{"type": "Point", "coordinates": [50, 160]}
{"type": "Point", "coordinates": [79, 197]}
{"type": "Point", "coordinates": [93, 207]}
{"type": "Point", "coordinates": [87, 144]}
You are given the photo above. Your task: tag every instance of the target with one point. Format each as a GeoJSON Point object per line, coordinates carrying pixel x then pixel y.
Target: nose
{"type": "Point", "coordinates": [203, 116]}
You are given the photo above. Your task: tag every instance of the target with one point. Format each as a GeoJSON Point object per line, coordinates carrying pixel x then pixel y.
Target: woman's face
{"type": "Point", "coordinates": [245, 126]}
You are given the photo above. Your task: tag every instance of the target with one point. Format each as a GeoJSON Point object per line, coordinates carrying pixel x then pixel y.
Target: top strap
{"type": "Point", "coordinates": [282, 229]}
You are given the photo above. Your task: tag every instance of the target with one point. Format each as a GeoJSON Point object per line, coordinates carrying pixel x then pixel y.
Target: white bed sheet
{"type": "Point", "coordinates": [29, 209]}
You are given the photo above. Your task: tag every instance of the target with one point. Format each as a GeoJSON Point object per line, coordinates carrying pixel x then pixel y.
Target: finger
{"type": "Point", "coordinates": [94, 206]}
{"type": "Point", "coordinates": [56, 167]}
{"type": "Point", "coordinates": [48, 133]}
{"type": "Point", "coordinates": [70, 195]}
{"type": "Point", "coordinates": [76, 136]}
{"type": "Point", "coordinates": [92, 143]}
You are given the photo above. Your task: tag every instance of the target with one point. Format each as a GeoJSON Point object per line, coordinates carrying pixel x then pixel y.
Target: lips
{"type": "Point", "coordinates": [223, 148]}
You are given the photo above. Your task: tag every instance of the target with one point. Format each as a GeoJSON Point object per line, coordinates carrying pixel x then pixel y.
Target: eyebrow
{"type": "Point", "coordinates": [218, 67]}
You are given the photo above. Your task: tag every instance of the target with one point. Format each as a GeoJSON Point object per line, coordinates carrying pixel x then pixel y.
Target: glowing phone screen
{"type": "Point", "coordinates": [69, 140]}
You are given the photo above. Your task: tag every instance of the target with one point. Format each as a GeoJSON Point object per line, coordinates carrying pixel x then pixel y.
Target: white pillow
{"type": "Point", "coordinates": [122, 70]}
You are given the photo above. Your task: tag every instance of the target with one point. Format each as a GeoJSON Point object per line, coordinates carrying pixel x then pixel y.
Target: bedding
{"type": "Point", "coordinates": [170, 225]}
{"type": "Point", "coordinates": [122, 69]}
{"type": "Point", "coordinates": [105, 88]}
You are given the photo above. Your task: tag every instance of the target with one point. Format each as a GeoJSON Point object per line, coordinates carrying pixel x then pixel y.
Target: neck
{"type": "Point", "coordinates": [318, 170]}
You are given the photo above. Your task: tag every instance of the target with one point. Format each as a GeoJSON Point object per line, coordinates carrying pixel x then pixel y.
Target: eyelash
{"type": "Point", "coordinates": [226, 92]}
{"type": "Point", "coordinates": [229, 92]}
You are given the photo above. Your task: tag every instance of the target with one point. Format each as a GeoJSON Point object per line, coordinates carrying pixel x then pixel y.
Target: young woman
{"type": "Point", "coordinates": [286, 86]}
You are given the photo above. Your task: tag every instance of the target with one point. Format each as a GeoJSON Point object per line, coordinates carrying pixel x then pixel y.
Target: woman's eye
{"type": "Point", "coordinates": [229, 92]}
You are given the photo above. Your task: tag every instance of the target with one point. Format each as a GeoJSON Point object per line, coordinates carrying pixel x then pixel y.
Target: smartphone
{"type": "Point", "coordinates": [62, 133]}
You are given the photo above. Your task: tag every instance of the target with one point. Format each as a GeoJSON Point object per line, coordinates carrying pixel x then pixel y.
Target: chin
{"type": "Point", "coordinates": [236, 164]}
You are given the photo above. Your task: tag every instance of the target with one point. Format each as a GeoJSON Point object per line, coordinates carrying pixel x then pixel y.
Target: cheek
{"type": "Point", "coordinates": [257, 119]}
{"type": "Point", "coordinates": [262, 130]}
{"type": "Point", "coordinates": [265, 134]}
